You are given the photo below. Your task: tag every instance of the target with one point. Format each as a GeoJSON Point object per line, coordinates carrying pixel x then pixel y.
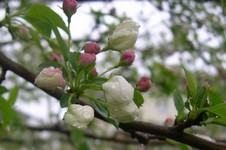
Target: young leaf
{"type": "Point", "coordinates": [49, 64]}
{"type": "Point", "coordinates": [6, 111]}
{"type": "Point", "coordinates": [219, 110]}
{"type": "Point", "coordinates": [214, 98]}
{"type": "Point", "coordinates": [218, 121]}
{"type": "Point", "coordinates": [65, 98]}
{"type": "Point", "coordinates": [104, 113]}
{"type": "Point", "coordinates": [74, 56]}
{"type": "Point", "coordinates": [63, 47]}
{"type": "Point", "coordinates": [201, 98]}
{"type": "Point", "coordinates": [178, 101]}
{"type": "Point", "coordinates": [191, 83]}
{"type": "Point", "coordinates": [138, 98]}
{"type": "Point", "coordinates": [12, 95]}
{"type": "Point", "coordinates": [36, 16]}
{"type": "Point", "coordinates": [3, 90]}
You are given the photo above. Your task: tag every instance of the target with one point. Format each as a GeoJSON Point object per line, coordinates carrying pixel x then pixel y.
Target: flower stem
{"type": "Point", "coordinates": [109, 69]}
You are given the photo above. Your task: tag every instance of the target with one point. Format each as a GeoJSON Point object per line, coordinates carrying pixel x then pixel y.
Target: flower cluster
{"type": "Point", "coordinates": [80, 74]}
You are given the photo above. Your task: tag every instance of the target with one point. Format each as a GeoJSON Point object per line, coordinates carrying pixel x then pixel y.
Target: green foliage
{"type": "Point", "coordinates": [191, 85]}
{"type": "Point", "coordinates": [164, 78]}
{"type": "Point", "coordinates": [12, 96]}
{"type": "Point", "coordinates": [37, 15]}
{"type": "Point", "coordinates": [102, 110]}
{"type": "Point", "coordinates": [49, 64]}
{"type": "Point", "coordinates": [63, 47]}
{"type": "Point", "coordinates": [138, 98]}
{"type": "Point", "coordinates": [179, 104]}
{"type": "Point", "coordinates": [66, 98]}
{"type": "Point", "coordinates": [3, 90]}
{"type": "Point", "coordinates": [6, 106]}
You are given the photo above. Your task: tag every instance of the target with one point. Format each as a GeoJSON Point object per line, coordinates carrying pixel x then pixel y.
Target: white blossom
{"type": "Point", "coordinates": [78, 116]}
{"type": "Point", "coordinates": [119, 98]}
{"type": "Point", "coordinates": [124, 36]}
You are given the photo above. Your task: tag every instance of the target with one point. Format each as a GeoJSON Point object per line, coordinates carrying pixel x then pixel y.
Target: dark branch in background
{"type": "Point", "coordinates": [2, 75]}
{"type": "Point", "coordinates": [135, 126]}
{"type": "Point", "coordinates": [59, 129]}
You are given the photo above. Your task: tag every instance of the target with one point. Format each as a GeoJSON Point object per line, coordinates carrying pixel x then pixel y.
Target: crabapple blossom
{"type": "Point", "coordinates": [144, 84]}
{"type": "Point", "coordinates": [127, 58]}
{"type": "Point", "coordinates": [92, 48]}
{"type": "Point", "coordinates": [78, 117]}
{"type": "Point", "coordinates": [69, 7]}
{"type": "Point", "coordinates": [50, 78]}
{"type": "Point", "coordinates": [119, 98]}
{"type": "Point", "coordinates": [86, 59]}
{"type": "Point", "coordinates": [124, 36]}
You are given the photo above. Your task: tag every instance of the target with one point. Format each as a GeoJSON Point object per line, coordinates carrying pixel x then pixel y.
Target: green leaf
{"type": "Point", "coordinates": [178, 101]}
{"type": "Point", "coordinates": [12, 96]}
{"type": "Point", "coordinates": [191, 82]}
{"type": "Point", "coordinates": [201, 98]}
{"type": "Point", "coordinates": [49, 64]}
{"type": "Point", "coordinates": [218, 121]}
{"type": "Point", "coordinates": [65, 98]}
{"type": "Point", "coordinates": [43, 27]}
{"type": "Point", "coordinates": [214, 98]}
{"type": "Point", "coordinates": [6, 110]}
{"type": "Point", "coordinates": [63, 47]}
{"type": "Point", "coordinates": [219, 110]}
{"type": "Point", "coordinates": [101, 109]}
{"type": "Point", "coordinates": [98, 81]}
{"type": "Point", "coordinates": [36, 16]}
{"type": "Point", "coordinates": [138, 98]}
{"type": "Point", "coordinates": [74, 56]}
{"type": "Point", "coordinates": [3, 90]}
{"type": "Point", "coordinates": [36, 38]}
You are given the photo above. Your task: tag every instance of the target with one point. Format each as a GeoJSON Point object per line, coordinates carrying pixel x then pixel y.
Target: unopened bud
{"type": "Point", "coordinates": [86, 59]}
{"type": "Point", "coordinates": [92, 48]}
{"type": "Point", "coordinates": [169, 122]}
{"type": "Point", "coordinates": [50, 78]}
{"type": "Point", "coordinates": [56, 56]}
{"type": "Point", "coordinates": [93, 73]}
{"type": "Point", "coordinates": [78, 117]}
{"type": "Point", "coordinates": [127, 58]}
{"type": "Point", "coordinates": [69, 7]}
{"type": "Point", "coordinates": [144, 84]}
{"type": "Point", "coordinates": [24, 33]}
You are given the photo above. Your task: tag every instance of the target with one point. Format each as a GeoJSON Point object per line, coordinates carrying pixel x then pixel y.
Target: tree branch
{"type": "Point", "coordinates": [67, 132]}
{"type": "Point", "coordinates": [2, 75]}
{"type": "Point", "coordinates": [135, 126]}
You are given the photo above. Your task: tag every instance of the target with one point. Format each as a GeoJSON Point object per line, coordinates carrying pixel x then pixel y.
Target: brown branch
{"type": "Point", "coordinates": [135, 126]}
{"type": "Point", "coordinates": [2, 75]}
{"type": "Point", "coordinates": [67, 132]}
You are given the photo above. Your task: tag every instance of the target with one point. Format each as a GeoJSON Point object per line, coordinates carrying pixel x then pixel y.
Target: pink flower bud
{"type": "Point", "coordinates": [169, 122]}
{"type": "Point", "coordinates": [93, 72]}
{"type": "Point", "coordinates": [86, 59]}
{"type": "Point", "coordinates": [92, 48]}
{"type": "Point", "coordinates": [144, 84]}
{"type": "Point", "coordinates": [127, 58]}
{"type": "Point", "coordinates": [23, 32]}
{"type": "Point", "coordinates": [56, 56]}
{"type": "Point", "coordinates": [50, 78]}
{"type": "Point", "coordinates": [69, 7]}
